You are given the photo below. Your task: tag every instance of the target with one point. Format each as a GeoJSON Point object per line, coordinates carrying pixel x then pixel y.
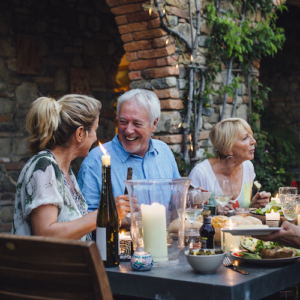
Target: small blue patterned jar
{"type": "Point", "coordinates": [141, 260]}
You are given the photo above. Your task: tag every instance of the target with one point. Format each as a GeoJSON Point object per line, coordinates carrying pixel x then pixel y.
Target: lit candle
{"type": "Point", "coordinates": [124, 246]}
{"type": "Point", "coordinates": [273, 216]}
{"type": "Point", "coordinates": [276, 199]}
{"type": "Point", "coordinates": [105, 156]}
{"type": "Point", "coordinates": [154, 231]}
{"type": "Point", "coordinates": [232, 242]}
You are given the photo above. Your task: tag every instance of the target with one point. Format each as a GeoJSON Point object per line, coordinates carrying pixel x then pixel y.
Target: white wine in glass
{"type": "Point", "coordinates": [223, 191]}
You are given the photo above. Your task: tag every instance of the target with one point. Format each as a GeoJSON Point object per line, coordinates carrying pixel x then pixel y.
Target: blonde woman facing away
{"type": "Point", "coordinates": [48, 199]}
{"type": "Point", "coordinates": [235, 147]}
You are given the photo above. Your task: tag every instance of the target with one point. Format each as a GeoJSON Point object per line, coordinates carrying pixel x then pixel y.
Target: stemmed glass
{"type": "Point", "coordinates": [289, 206]}
{"type": "Point", "coordinates": [223, 191]}
{"type": "Point", "coordinates": [287, 190]}
{"type": "Point", "coordinates": [194, 204]}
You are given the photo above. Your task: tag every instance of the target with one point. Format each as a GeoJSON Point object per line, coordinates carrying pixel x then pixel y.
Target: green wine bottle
{"type": "Point", "coordinates": [107, 231]}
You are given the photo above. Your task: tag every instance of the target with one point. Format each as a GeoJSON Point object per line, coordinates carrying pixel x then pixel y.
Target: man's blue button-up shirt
{"type": "Point", "coordinates": [159, 162]}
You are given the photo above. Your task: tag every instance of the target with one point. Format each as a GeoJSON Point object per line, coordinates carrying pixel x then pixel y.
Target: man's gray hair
{"type": "Point", "coordinates": [146, 98]}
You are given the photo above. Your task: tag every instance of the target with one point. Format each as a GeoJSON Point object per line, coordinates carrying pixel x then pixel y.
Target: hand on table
{"type": "Point", "coordinates": [224, 210]}
{"type": "Point", "coordinates": [261, 199]}
{"type": "Point", "coordinates": [289, 235]}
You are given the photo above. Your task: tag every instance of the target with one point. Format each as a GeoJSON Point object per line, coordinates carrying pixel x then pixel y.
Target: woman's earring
{"type": "Point", "coordinates": [227, 160]}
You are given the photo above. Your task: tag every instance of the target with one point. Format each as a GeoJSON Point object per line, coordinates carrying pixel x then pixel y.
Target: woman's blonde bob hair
{"type": "Point", "coordinates": [225, 133]}
{"type": "Point", "coordinates": [52, 123]}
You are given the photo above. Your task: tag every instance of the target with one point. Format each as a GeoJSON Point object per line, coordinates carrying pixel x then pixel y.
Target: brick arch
{"type": "Point", "coordinates": [150, 59]}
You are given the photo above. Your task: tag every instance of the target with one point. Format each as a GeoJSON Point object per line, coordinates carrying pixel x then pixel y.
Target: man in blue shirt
{"type": "Point", "coordinates": [138, 113]}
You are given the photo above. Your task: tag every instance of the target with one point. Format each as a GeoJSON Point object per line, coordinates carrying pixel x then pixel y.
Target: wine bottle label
{"type": "Point", "coordinates": [101, 241]}
{"type": "Point", "coordinates": [204, 242]}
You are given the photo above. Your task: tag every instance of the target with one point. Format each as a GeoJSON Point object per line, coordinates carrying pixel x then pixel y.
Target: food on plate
{"type": "Point", "coordinates": [175, 225]}
{"type": "Point", "coordinates": [278, 252]}
{"type": "Point", "coordinates": [257, 249]}
{"type": "Point", "coordinates": [218, 222]}
{"type": "Point", "coordinates": [273, 205]}
{"type": "Point", "coordinates": [257, 184]}
{"type": "Point", "coordinates": [253, 220]}
{"type": "Point", "coordinates": [197, 225]}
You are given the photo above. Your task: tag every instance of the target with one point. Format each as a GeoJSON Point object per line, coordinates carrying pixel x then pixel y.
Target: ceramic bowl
{"type": "Point", "coordinates": [205, 263]}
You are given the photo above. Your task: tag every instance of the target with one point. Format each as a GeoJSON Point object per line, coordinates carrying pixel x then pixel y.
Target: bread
{"type": "Point", "coordinates": [197, 225]}
{"type": "Point", "coordinates": [254, 221]}
{"type": "Point", "coordinates": [175, 225]}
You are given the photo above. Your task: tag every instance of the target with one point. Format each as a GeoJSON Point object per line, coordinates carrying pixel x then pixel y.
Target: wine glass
{"type": "Point", "coordinates": [287, 190]}
{"type": "Point", "coordinates": [194, 204]}
{"type": "Point", "coordinates": [223, 191]}
{"type": "Point", "coordinates": [289, 206]}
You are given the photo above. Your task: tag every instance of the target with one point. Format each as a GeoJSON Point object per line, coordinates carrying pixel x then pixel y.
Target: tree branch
{"type": "Point", "coordinates": [170, 30]}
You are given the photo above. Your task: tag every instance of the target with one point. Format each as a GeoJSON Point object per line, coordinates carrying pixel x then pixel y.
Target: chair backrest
{"type": "Point", "coordinates": [50, 268]}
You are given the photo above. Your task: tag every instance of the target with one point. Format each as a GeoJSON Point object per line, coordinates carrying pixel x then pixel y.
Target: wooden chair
{"type": "Point", "coordinates": [50, 268]}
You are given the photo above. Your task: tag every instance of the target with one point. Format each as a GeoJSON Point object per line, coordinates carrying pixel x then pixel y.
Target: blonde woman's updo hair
{"type": "Point", "coordinates": [225, 133]}
{"type": "Point", "coordinates": [52, 123]}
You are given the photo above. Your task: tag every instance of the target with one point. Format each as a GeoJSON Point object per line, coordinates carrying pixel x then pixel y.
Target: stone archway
{"type": "Point", "coordinates": [151, 52]}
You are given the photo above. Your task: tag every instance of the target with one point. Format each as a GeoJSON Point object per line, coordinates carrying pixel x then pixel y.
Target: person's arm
{"type": "Point", "coordinates": [44, 223]}
{"type": "Point", "coordinates": [289, 235]}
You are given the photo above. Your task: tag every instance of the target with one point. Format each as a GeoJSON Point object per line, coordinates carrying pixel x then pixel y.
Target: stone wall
{"type": "Point", "coordinates": [152, 64]}
{"type": "Point", "coordinates": [51, 48]}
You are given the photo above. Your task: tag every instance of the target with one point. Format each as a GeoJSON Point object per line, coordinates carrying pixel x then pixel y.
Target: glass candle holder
{"type": "Point", "coordinates": [155, 204]}
{"type": "Point", "coordinates": [242, 211]}
{"type": "Point", "coordinates": [230, 242]}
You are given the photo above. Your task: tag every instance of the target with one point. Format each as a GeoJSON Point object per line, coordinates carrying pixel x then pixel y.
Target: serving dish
{"type": "Point", "coordinates": [252, 231]}
{"type": "Point", "coordinates": [205, 264]}
{"type": "Point", "coordinates": [269, 262]}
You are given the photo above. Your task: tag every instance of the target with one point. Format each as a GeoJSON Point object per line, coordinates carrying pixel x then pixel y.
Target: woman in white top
{"type": "Point", "coordinates": [235, 146]}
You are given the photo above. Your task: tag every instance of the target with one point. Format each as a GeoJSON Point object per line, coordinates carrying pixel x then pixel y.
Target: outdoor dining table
{"type": "Point", "coordinates": [182, 282]}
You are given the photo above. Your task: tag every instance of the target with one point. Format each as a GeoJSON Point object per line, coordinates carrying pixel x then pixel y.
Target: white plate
{"type": "Point", "coordinates": [252, 231]}
{"type": "Point", "coordinates": [274, 262]}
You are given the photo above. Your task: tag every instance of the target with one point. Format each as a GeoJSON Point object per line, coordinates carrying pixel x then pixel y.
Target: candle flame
{"type": "Point", "coordinates": [191, 148]}
{"type": "Point", "coordinates": [192, 58]}
{"type": "Point", "coordinates": [102, 149]}
{"type": "Point", "coordinates": [167, 41]}
{"type": "Point", "coordinates": [164, 11]}
{"type": "Point", "coordinates": [179, 125]}
{"type": "Point", "coordinates": [176, 66]}
{"type": "Point", "coordinates": [276, 195]}
{"type": "Point", "coordinates": [272, 211]}
{"type": "Point", "coordinates": [150, 11]}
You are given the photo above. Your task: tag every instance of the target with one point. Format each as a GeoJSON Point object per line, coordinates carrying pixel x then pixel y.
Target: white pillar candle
{"type": "Point", "coordinates": [232, 242]}
{"type": "Point", "coordinates": [298, 220]}
{"type": "Point", "coordinates": [273, 216]}
{"type": "Point", "coordinates": [154, 231]}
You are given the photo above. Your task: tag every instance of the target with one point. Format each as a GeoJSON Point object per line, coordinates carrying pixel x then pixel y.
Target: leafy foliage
{"type": "Point", "coordinates": [275, 148]}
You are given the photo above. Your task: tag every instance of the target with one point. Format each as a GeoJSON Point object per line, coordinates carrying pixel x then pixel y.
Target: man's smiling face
{"type": "Point", "coordinates": [134, 128]}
